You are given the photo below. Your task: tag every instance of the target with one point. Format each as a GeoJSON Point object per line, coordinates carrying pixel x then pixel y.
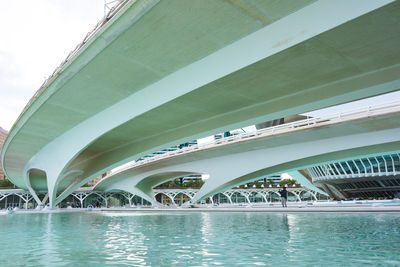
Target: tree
{"type": "Point", "coordinates": [6, 184]}
{"type": "Point", "coordinates": [288, 182]}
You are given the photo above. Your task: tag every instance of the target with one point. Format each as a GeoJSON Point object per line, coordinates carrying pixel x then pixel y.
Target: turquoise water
{"type": "Point", "coordinates": [199, 239]}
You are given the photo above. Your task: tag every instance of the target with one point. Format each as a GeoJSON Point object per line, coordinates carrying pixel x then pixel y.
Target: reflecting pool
{"type": "Point", "coordinates": [200, 239]}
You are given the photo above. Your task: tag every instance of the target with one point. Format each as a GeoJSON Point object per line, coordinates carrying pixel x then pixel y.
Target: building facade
{"type": "Point", "coordinates": [3, 135]}
{"type": "Point", "coordinates": [364, 178]}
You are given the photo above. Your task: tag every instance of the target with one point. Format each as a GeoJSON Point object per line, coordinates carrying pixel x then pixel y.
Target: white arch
{"type": "Point", "coordinates": [242, 193]}
{"type": "Point", "coordinates": [228, 195]}
{"type": "Point", "coordinates": [295, 194]}
{"type": "Point", "coordinates": [81, 196]}
{"type": "Point", "coordinates": [103, 196]}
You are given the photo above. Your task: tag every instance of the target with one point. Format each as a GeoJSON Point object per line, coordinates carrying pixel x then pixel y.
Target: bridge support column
{"type": "Point", "coordinates": [134, 191]}
{"type": "Point", "coordinates": [305, 182]}
{"type": "Point", "coordinates": [31, 190]}
{"type": "Point", "coordinates": [52, 191]}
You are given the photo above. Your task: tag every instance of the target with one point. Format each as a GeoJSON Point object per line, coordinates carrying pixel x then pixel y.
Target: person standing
{"type": "Point", "coordinates": [283, 194]}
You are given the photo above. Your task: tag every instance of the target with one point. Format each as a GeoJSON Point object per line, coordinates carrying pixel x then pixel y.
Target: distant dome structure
{"type": "Point", "coordinates": [367, 177]}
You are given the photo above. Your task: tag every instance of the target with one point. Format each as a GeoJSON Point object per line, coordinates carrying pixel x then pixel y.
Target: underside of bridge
{"type": "Point", "coordinates": [248, 160]}
{"type": "Point", "coordinates": [160, 73]}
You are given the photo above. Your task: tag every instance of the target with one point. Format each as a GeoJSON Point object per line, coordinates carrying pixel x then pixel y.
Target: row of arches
{"type": "Point", "coordinates": [238, 196]}
{"type": "Point", "coordinates": [384, 165]}
{"type": "Point", "coordinates": [15, 199]}
{"type": "Point", "coordinates": [166, 197]}
{"type": "Point", "coordinates": [76, 199]}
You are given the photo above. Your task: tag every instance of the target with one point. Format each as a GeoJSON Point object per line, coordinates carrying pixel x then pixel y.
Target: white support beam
{"type": "Point", "coordinates": [372, 167]}
{"type": "Point", "coordinates": [393, 165]}
{"type": "Point", "coordinates": [365, 168]}
{"type": "Point", "coordinates": [351, 169]}
{"type": "Point", "coordinates": [379, 166]}
{"type": "Point", "coordinates": [386, 167]}
{"type": "Point", "coordinates": [398, 156]}
{"type": "Point", "coordinates": [358, 169]}
{"type": "Point", "coordinates": [336, 170]}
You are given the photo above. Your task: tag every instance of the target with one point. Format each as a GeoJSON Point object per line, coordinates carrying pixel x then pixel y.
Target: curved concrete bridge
{"type": "Point", "coordinates": [160, 73]}
{"type": "Point", "coordinates": [271, 151]}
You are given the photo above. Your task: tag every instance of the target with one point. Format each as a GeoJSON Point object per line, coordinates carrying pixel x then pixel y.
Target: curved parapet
{"type": "Point", "coordinates": [143, 81]}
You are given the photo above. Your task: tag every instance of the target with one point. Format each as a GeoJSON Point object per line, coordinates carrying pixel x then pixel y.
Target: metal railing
{"type": "Point", "coordinates": [372, 110]}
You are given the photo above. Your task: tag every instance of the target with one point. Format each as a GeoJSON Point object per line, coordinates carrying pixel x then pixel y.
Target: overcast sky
{"type": "Point", "coordinates": [36, 36]}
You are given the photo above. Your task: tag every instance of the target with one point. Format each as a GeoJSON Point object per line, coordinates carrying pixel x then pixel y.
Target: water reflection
{"type": "Point", "coordinates": [192, 239]}
{"type": "Point", "coordinates": [124, 243]}
{"type": "Point", "coordinates": [49, 248]}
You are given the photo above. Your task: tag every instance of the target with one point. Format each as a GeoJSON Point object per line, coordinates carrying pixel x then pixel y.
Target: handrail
{"type": "Point", "coordinates": [367, 111]}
